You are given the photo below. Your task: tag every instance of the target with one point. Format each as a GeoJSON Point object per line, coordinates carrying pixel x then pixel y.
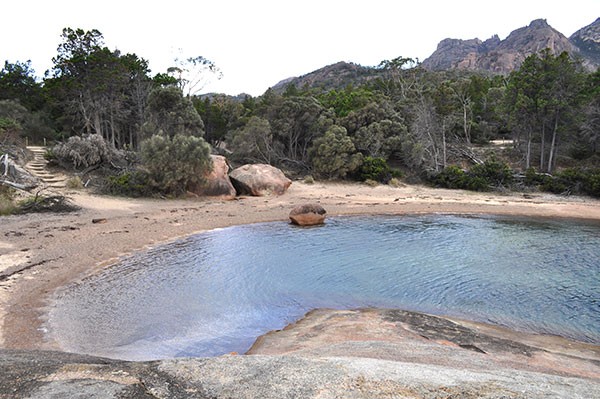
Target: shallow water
{"type": "Point", "coordinates": [216, 292]}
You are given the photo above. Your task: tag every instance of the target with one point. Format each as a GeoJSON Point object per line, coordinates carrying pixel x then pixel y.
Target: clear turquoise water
{"type": "Point", "coordinates": [216, 292]}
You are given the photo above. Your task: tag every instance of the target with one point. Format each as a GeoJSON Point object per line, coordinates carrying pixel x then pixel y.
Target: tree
{"type": "Point", "coordinates": [18, 82]}
{"type": "Point", "coordinates": [401, 76]}
{"type": "Point", "coordinates": [193, 73]}
{"type": "Point", "coordinates": [168, 113]}
{"type": "Point", "coordinates": [16, 121]}
{"type": "Point", "coordinates": [541, 99]}
{"type": "Point", "coordinates": [376, 129]}
{"type": "Point", "coordinates": [334, 155]}
{"type": "Point", "coordinates": [295, 123]}
{"type": "Point", "coordinates": [253, 142]}
{"type": "Point", "coordinates": [96, 90]}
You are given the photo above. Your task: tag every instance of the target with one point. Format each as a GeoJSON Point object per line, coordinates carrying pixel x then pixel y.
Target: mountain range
{"type": "Point", "coordinates": [492, 55]}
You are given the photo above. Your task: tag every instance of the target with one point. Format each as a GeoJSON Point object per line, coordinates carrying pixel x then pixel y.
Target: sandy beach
{"type": "Point", "coordinates": [40, 253]}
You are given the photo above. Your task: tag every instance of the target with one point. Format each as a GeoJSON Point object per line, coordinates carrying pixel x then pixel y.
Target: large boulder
{"type": "Point", "coordinates": [259, 180]}
{"type": "Point", "coordinates": [308, 215]}
{"type": "Point", "coordinates": [217, 182]}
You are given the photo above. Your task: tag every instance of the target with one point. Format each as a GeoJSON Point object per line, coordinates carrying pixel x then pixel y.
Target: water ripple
{"type": "Point", "coordinates": [216, 292]}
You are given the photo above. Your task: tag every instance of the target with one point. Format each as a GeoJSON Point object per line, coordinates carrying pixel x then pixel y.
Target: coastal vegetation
{"type": "Point", "coordinates": [143, 133]}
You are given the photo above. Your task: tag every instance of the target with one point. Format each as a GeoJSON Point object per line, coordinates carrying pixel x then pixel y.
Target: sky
{"type": "Point", "coordinates": [257, 43]}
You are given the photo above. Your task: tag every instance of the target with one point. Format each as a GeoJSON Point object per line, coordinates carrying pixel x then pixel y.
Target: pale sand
{"type": "Point", "coordinates": [59, 249]}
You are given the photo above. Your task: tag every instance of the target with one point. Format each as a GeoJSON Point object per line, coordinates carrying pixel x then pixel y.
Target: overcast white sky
{"type": "Point", "coordinates": [257, 43]}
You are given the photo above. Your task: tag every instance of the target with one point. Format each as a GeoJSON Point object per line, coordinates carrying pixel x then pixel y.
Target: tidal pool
{"type": "Point", "coordinates": [216, 292]}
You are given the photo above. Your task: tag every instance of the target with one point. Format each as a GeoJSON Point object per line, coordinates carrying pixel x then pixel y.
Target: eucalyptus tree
{"type": "Point", "coordinates": [295, 122]}
{"type": "Point", "coordinates": [377, 129]}
{"type": "Point", "coordinates": [169, 113]}
{"type": "Point", "coordinates": [253, 142]}
{"type": "Point", "coordinates": [193, 73]}
{"type": "Point", "coordinates": [97, 90]}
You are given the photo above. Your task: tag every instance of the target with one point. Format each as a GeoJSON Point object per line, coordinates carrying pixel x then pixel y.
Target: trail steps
{"type": "Point", "coordinates": [39, 168]}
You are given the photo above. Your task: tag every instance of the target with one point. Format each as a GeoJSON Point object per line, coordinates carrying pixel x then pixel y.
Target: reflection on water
{"type": "Point", "coordinates": [216, 292]}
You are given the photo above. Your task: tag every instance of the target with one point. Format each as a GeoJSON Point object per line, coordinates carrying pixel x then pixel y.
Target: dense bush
{"type": "Point", "coordinates": [377, 169]}
{"type": "Point", "coordinates": [572, 181]}
{"type": "Point", "coordinates": [134, 183]}
{"type": "Point", "coordinates": [484, 177]}
{"type": "Point", "coordinates": [83, 151]}
{"type": "Point", "coordinates": [175, 163]}
{"type": "Point", "coordinates": [494, 172]}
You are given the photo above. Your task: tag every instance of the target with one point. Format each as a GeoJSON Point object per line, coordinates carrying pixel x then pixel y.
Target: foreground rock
{"type": "Point", "coordinates": [259, 180]}
{"type": "Point", "coordinates": [329, 354]}
{"type": "Point", "coordinates": [217, 182]}
{"type": "Point", "coordinates": [12, 174]}
{"type": "Point", "coordinates": [308, 215]}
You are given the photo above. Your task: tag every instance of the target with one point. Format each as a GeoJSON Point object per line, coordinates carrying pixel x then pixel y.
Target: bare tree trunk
{"type": "Point", "coordinates": [97, 124]}
{"type": "Point", "coordinates": [466, 124]}
{"type": "Point", "coordinates": [444, 160]}
{"type": "Point", "coordinates": [551, 156]}
{"type": "Point", "coordinates": [528, 155]}
{"type": "Point", "coordinates": [543, 149]}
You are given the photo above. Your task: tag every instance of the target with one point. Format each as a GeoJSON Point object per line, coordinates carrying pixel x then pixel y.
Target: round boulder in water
{"type": "Point", "coordinates": [308, 215]}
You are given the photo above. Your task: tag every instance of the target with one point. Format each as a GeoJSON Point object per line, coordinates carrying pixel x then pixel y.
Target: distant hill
{"type": "Point", "coordinates": [333, 76]}
{"type": "Point", "coordinates": [503, 56]}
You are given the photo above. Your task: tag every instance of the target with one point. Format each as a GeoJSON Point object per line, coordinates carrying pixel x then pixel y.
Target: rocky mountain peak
{"type": "Point", "coordinates": [504, 56]}
{"type": "Point", "coordinates": [539, 23]}
{"type": "Point", "coordinates": [587, 39]}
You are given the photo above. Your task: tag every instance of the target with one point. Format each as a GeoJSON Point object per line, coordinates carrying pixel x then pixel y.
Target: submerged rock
{"type": "Point", "coordinates": [259, 180]}
{"type": "Point", "coordinates": [308, 215]}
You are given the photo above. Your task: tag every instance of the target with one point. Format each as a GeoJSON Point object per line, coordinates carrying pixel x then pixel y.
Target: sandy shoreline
{"type": "Point", "coordinates": [41, 253]}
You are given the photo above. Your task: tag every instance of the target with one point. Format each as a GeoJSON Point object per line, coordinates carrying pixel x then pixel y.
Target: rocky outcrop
{"type": "Point", "coordinates": [329, 354]}
{"type": "Point", "coordinates": [308, 215]}
{"type": "Point", "coordinates": [451, 52]}
{"type": "Point", "coordinates": [217, 182]}
{"type": "Point", "coordinates": [259, 180]}
{"type": "Point", "coordinates": [587, 39]}
{"type": "Point", "coordinates": [500, 56]}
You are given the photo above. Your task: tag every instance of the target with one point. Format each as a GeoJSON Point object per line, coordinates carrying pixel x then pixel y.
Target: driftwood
{"type": "Point", "coordinates": [470, 155]}
{"type": "Point", "coordinates": [4, 159]}
{"type": "Point", "coordinates": [51, 203]}
{"type": "Point", "coordinates": [22, 187]}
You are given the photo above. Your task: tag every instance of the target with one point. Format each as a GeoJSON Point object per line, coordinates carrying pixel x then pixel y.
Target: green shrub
{"type": "Point", "coordinates": [129, 184]}
{"type": "Point", "coordinates": [532, 178]}
{"type": "Point", "coordinates": [376, 169]}
{"type": "Point", "coordinates": [451, 177]}
{"type": "Point", "coordinates": [493, 172]}
{"type": "Point", "coordinates": [175, 163]}
{"type": "Point", "coordinates": [575, 181]}
{"type": "Point", "coordinates": [481, 177]}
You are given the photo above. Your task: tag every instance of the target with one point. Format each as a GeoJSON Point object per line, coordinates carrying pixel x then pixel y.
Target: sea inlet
{"type": "Point", "coordinates": [216, 292]}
